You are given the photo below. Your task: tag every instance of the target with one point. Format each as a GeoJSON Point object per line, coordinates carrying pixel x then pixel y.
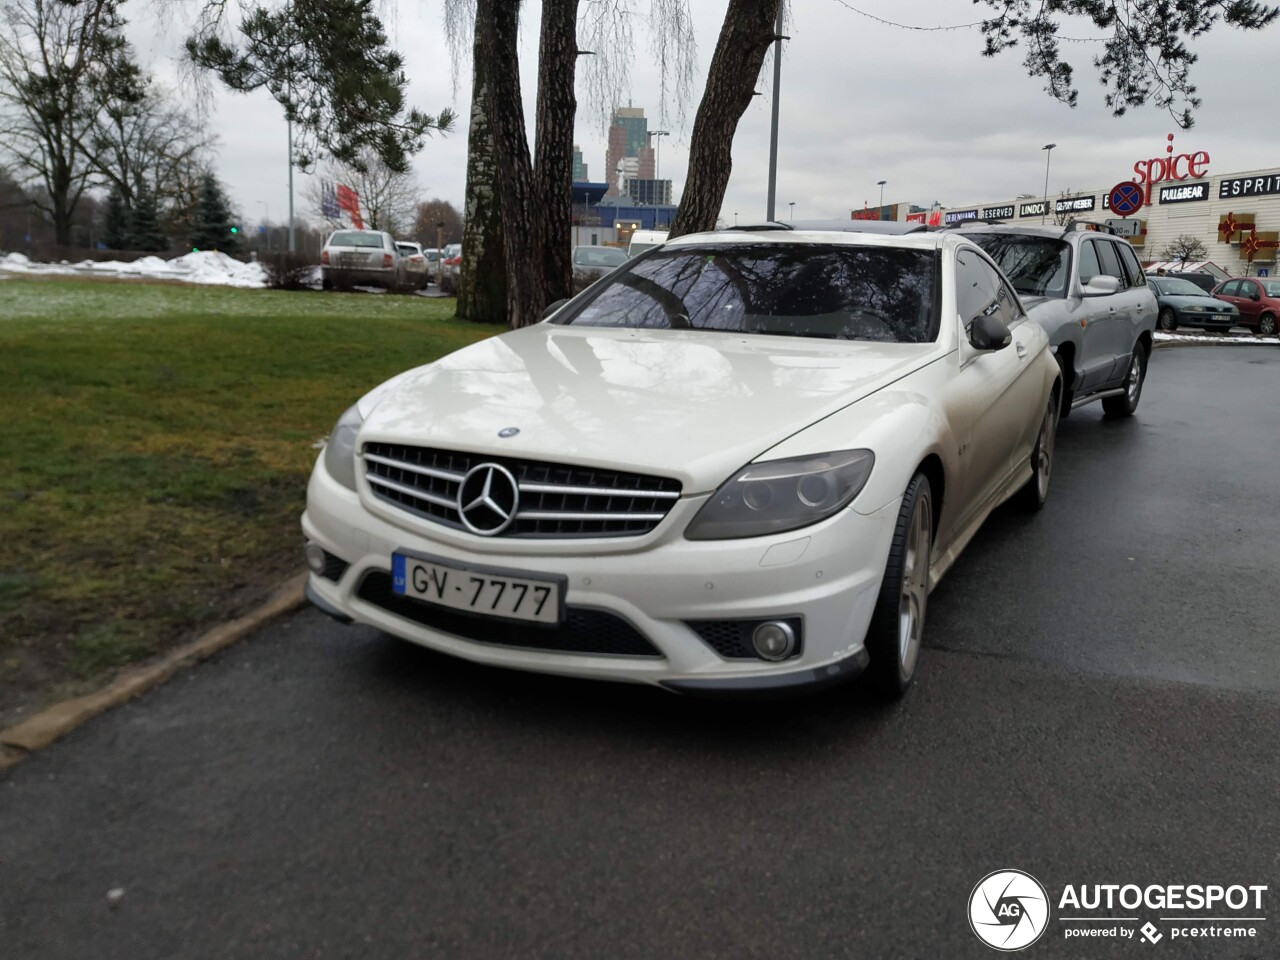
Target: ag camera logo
{"type": "Point", "coordinates": [1008, 910]}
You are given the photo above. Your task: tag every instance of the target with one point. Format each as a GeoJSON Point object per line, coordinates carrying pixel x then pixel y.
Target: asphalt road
{"type": "Point", "coordinates": [1099, 702]}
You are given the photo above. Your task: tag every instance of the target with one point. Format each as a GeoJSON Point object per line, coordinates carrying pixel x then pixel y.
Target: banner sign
{"type": "Point", "coordinates": [959, 216]}
{"type": "Point", "coordinates": [1248, 187]}
{"type": "Point", "coordinates": [1183, 193]}
{"type": "Point", "coordinates": [1037, 209]}
{"type": "Point", "coordinates": [997, 213]}
{"type": "Point", "coordinates": [1072, 204]}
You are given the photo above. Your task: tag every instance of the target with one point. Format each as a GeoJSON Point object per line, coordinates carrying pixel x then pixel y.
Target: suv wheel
{"type": "Point", "coordinates": [1168, 321]}
{"type": "Point", "coordinates": [1127, 402]}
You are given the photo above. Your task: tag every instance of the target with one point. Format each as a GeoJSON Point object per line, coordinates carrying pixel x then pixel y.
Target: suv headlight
{"type": "Point", "coordinates": [340, 449]}
{"type": "Point", "coordinates": [780, 495]}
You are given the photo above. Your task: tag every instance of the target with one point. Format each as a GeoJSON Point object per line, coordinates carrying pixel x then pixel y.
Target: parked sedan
{"type": "Point", "coordinates": [592, 263]}
{"type": "Point", "coordinates": [1258, 301]}
{"type": "Point", "coordinates": [739, 464]}
{"type": "Point", "coordinates": [1183, 303]}
{"type": "Point", "coordinates": [417, 274]}
{"type": "Point", "coordinates": [361, 258]}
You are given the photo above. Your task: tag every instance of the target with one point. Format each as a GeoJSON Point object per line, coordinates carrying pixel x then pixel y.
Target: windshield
{"type": "Point", "coordinates": [598, 256]}
{"type": "Point", "coordinates": [884, 294]}
{"type": "Point", "coordinates": [407, 250]}
{"type": "Point", "coordinates": [1272, 287]}
{"type": "Point", "coordinates": [1036, 266]}
{"type": "Point", "coordinates": [354, 238]}
{"type": "Point", "coordinates": [1167, 287]}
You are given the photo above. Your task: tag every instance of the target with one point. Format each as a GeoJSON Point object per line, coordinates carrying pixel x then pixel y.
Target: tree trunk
{"type": "Point", "coordinates": [553, 160]}
{"type": "Point", "coordinates": [482, 285]}
{"type": "Point", "coordinates": [497, 35]}
{"type": "Point", "coordinates": [735, 67]}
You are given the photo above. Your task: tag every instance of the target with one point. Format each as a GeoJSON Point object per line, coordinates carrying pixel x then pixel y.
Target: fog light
{"type": "Point", "coordinates": [773, 640]}
{"type": "Point", "coordinates": [315, 557]}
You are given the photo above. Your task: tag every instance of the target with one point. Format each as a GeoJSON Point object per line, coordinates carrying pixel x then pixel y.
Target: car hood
{"type": "Point", "coordinates": [692, 405]}
{"type": "Point", "coordinates": [1182, 301]}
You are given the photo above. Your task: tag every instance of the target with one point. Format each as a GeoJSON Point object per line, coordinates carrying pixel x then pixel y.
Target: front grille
{"type": "Point", "coordinates": [583, 631]}
{"type": "Point", "coordinates": [732, 638]}
{"type": "Point", "coordinates": [556, 500]}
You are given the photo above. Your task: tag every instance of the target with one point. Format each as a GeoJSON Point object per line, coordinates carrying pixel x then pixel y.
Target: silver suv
{"type": "Point", "coordinates": [1086, 288]}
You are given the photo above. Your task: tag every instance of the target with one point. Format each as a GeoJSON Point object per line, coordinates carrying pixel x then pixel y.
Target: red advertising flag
{"type": "Point", "coordinates": [349, 201]}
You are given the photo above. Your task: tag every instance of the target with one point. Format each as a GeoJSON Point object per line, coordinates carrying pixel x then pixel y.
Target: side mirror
{"type": "Point", "coordinates": [988, 332]}
{"type": "Point", "coordinates": [1101, 285]}
{"type": "Point", "coordinates": [552, 308]}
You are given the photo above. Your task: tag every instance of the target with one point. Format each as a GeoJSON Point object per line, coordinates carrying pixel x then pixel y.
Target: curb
{"type": "Point", "coordinates": [57, 721]}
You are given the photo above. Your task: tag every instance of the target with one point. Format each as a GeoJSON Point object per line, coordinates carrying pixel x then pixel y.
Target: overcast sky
{"type": "Point", "coordinates": [861, 102]}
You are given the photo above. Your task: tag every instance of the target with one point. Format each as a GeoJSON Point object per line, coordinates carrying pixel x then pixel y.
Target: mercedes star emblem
{"type": "Point", "coordinates": [487, 499]}
{"type": "Point", "coordinates": [506, 432]}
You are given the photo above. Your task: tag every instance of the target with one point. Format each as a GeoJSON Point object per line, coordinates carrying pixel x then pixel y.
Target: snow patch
{"type": "Point", "coordinates": [1217, 341]}
{"type": "Point", "coordinates": [209, 267]}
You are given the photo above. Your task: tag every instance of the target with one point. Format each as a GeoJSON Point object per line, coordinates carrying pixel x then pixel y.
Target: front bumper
{"type": "Point", "coordinates": [1209, 321]}
{"type": "Point", "coordinates": [827, 575]}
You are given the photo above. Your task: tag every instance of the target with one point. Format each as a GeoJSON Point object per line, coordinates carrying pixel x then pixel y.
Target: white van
{"type": "Point", "coordinates": [642, 240]}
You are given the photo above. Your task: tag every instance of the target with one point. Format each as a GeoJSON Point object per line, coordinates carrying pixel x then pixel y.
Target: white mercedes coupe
{"type": "Point", "coordinates": [738, 463]}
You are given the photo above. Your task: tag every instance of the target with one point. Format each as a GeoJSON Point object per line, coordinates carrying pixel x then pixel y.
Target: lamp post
{"type": "Point", "coordinates": [657, 150]}
{"type": "Point", "coordinates": [880, 184]}
{"type": "Point", "coordinates": [1048, 154]}
{"type": "Point", "coordinates": [792, 205]}
{"type": "Point", "coordinates": [773, 124]}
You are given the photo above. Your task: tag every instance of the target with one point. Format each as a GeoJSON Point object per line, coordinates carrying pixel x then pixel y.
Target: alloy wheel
{"type": "Point", "coordinates": [915, 586]}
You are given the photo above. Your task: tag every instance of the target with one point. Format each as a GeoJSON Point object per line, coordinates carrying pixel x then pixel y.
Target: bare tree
{"type": "Point", "coordinates": [148, 144]}
{"type": "Point", "coordinates": [438, 222]}
{"type": "Point", "coordinates": [1185, 247]}
{"type": "Point", "coordinates": [60, 62]}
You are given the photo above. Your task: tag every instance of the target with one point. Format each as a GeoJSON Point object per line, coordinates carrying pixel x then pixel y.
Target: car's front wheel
{"type": "Point", "coordinates": [1123, 405]}
{"type": "Point", "coordinates": [897, 626]}
{"type": "Point", "coordinates": [1168, 320]}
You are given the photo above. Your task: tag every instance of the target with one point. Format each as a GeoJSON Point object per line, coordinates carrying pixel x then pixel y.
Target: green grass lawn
{"type": "Point", "coordinates": [155, 453]}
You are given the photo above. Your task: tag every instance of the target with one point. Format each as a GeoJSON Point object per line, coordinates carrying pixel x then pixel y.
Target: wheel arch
{"type": "Point", "coordinates": [934, 471]}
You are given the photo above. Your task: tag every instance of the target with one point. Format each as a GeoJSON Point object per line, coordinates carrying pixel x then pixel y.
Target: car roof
{"type": "Point", "coordinates": [916, 239]}
{"type": "Point", "coordinates": [1052, 230]}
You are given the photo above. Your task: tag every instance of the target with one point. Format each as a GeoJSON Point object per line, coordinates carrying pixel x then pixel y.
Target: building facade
{"type": "Point", "coordinates": [628, 138]}
{"type": "Point", "coordinates": [579, 167]}
{"type": "Point", "coordinates": [1235, 216]}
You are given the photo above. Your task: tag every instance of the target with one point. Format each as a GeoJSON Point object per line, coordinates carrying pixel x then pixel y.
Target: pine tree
{"type": "Point", "coordinates": [211, 222]}
{"type": "Point", "coordinates": [144, 226]}
{"type": "Point", "coordinates": [116, 235]}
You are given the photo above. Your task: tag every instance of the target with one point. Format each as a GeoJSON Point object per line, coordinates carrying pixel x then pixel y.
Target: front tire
{"type": "Point", "coordinates": [1126, 403]}
{"type": "Point", "coordinates": [1267, 325]}
{"type": "Point", "coordinates": [1033, 495]}
{"type": "Point", "coordinates": [1168, 320]}
{"type": "Point", "coordinates": [897, 625]}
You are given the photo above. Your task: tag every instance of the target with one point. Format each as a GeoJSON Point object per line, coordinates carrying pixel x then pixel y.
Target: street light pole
{"type": "Point", "coordinates": [880, 184]}
{"type": "Point", "coordinates": [793, 211]}
{"type": "Point", "coordinates": [1048, 149]}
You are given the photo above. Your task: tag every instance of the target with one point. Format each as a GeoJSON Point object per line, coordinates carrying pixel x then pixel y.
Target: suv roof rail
{"type": "Point", "coordinates": [893, 227]}
{"type": "Point", "coordinates": [1074, 224]}
{"type": "Point", "coordinates": [759, 227]}
{"type": "Point", "coordinates": [964, 223]}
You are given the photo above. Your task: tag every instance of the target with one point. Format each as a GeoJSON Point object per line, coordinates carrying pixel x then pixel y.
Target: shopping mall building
{"type": "Point", "coordinates": [1235, 215]}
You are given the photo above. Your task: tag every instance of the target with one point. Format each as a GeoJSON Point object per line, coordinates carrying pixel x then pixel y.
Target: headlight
{"type": "Point", "coordinates": [1195, 309]}
{"type": "Point", "coordinates": [782, 495]}
{"type": "Point", "coordinates": [340, 449]}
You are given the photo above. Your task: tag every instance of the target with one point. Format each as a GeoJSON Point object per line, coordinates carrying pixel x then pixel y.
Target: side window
{"type": "Point", "coordinates": [1248, 288]}
{"type": "Point", "coordinates": [1136, 277]}
{"type": "Point", "coordinates": [1089, 266]}
{"type": "Point", "coordinates": [1111, 262]}
{"type": "Point", "coordinates": [1231, 289]}
{"type": "Point", "coordinates": [981, 290]}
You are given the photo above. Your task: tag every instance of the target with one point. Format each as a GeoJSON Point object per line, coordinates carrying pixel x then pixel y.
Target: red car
{"type": "Point", "coordinates": [1258, 299]}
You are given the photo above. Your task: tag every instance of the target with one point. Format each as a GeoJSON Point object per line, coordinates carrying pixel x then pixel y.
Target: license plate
{"type": "Point", "coordinates": [480, 590]}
